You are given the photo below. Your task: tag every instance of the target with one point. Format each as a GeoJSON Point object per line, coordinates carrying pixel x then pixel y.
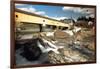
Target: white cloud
{"type": "Point", "coordinates": [79, 10]}
{"type": "Point", "coordinates": [67, 8]}
{"type": "Point", "coordinates": [60, 18]}
{"type": "Point", "coordinates": [46, 16]}
{"type": "Point", "coordinates": [40, 12]}
{"type": "Point", "coordinates": [75, 9]}
{"type": "Point", "coordinates": [89, 11]}
{"type": "Point", "coordinates": [29, 8]}
{"type": "Point", "coordinates": [57, 18]}
{"type": "Point", "coordinates": [32, 10]}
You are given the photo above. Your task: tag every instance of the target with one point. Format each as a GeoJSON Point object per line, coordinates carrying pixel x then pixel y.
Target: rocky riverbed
{"type": "Point", "coordinates": [56, 48]}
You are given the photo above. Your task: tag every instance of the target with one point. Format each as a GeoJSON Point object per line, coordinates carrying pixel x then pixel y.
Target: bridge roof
{"type": "Point", "coordinates": [33, 14]}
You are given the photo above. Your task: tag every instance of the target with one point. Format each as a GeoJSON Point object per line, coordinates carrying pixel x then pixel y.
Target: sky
{"type": "Point", "coordinates": [57, 12]}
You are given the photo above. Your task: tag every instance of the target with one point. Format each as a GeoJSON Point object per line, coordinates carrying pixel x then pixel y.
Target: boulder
{"type": "Point", "coordinates": [31, 51]}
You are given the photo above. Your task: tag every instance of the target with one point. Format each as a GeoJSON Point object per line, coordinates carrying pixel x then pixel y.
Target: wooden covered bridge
{"type": "Point", "coordinates": [33, 20]}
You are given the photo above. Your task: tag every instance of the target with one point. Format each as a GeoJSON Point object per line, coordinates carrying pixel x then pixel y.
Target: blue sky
{"type": "Point", "coordinates": [56, 12]}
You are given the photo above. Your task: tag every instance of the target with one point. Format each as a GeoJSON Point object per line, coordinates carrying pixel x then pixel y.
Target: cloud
{"type": "Point", "coordinates": [67, 8]}
{"type": "Point", "coordinates": [40, 12]}
{"type": "Point", "coordinates": [74, 9]}
{"type": "Point", "coordinates": [79, 10]}
{"type": "Point", "coordinates": [29, 9]}
{"type": "Point", "coordinates": [57, 18]}
{"type": "Point", "coordinates": [89, 11]}
{"type": "Point", "coordinates": [32, 10]}
{"type": "Point", "coordinates": [60, 18]}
